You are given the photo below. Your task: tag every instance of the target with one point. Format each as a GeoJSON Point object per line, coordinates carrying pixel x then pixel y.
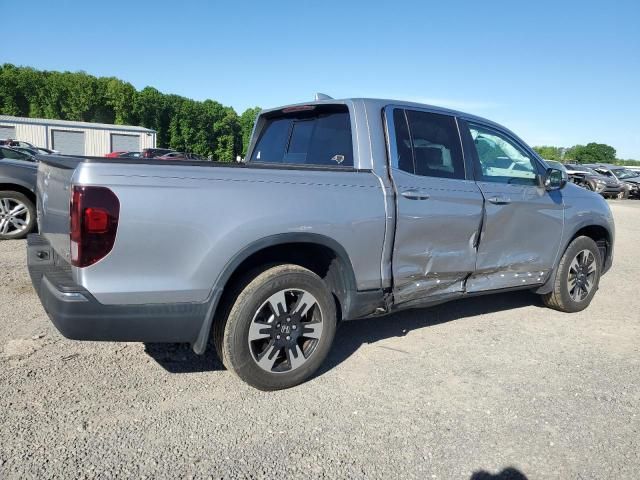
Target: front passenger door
{"type": "Point", "coordinates": [523, 222]}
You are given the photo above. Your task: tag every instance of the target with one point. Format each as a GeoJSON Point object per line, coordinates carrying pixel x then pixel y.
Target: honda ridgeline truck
{"type": "Point", "coordinates": [343, 209]}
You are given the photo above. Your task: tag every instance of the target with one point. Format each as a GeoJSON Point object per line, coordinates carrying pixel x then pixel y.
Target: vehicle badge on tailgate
{"type": "Point", "coordinates": [338, 158]}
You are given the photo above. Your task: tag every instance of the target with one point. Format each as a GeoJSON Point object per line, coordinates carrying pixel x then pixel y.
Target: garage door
{"type": "Point", "coordinates": [7, 132]}
{"type": "Point", "coordinates": [125, 143]}
{"type": "Point", "coordinates": [67, 142]}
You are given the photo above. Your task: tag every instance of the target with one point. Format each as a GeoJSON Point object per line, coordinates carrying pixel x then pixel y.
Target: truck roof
{"type": "Point", "coordinates": [381, 103]}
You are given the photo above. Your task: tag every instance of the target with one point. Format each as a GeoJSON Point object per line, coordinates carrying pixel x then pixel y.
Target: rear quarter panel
{"type": "Point", "coordinates": [180, 225]}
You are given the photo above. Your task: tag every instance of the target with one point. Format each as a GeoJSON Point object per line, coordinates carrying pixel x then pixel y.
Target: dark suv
{"type": "Point", "coordinates": [629, 179]}
{"type": "Point", "coordinates": [586, 177]}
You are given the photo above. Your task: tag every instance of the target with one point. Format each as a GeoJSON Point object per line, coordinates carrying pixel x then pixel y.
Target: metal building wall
{"type": "Point", "coordinates": [35, 134]}
{"type": "Point", "coordinates": [97, 140]}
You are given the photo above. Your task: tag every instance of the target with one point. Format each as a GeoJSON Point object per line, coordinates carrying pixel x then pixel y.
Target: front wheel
{"type": "Point", "coordinates": [279, 329]}
{"type": "Point", "coordinates": [577, 277]}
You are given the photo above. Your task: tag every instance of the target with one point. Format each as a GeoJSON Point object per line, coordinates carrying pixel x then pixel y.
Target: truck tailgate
{"type": "Point", "coordinates": [55, 176]}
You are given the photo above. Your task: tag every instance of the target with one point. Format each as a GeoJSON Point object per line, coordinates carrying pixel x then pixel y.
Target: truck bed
{"type": "Point", "coordinates": [182, 222]}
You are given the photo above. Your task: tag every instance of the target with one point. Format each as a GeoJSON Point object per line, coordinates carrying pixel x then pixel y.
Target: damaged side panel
{"type": "Point", "coordinates": [520, 240]}
{"type": "Point", "coordinates": [435, 242]}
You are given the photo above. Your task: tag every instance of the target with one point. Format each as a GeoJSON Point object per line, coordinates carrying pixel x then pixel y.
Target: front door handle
{"type": "Point", "coordinates": [415, 195]}
{"type": "Point", "coordinates": [499, 200]}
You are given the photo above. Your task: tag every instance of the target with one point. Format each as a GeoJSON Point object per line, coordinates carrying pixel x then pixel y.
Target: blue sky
{"type": "Point", "coordinates": [556, 72]}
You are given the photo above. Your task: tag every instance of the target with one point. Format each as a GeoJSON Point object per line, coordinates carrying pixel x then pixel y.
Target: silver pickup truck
{"type": "Point", "coordinates": [343, 209]}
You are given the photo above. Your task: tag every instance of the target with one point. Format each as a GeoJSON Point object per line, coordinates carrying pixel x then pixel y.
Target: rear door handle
{"type": "Point", "coordinates": [499, 200]}
{"type": "Point", "coordinates": [415, 195]}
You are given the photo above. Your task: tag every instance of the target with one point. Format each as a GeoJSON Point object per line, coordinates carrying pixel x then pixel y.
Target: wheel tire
{"type": "Point", "coordinates": [560, 298]}
{"type": "Point", "coordinates": [10, 200]}
{"type": "Point", "coordinates": [231, 334]}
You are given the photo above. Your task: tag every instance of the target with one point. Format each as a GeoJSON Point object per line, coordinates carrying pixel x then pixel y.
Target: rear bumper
{"type": "Point", "coordinates": [79, 316]}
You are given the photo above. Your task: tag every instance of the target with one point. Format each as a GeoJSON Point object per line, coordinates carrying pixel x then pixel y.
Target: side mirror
{"type": "Point", "coordinates": [554, 179]}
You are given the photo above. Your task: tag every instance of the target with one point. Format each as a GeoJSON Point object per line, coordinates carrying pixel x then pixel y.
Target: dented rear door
{"type": "Point", "coordinates": [439, 210]}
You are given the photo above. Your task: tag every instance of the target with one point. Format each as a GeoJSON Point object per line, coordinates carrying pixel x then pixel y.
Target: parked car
{"type": "Point", "coordinates": [17, 193]}
{"type": "Point", "coordinates": [123, 154]}
{"type": "Point", "coordinates": [588, 178]}
{"type": "Point", "coordinates": [21, 144]}
{"type": "Point", "coordinates": [344, 209]}
{"type": "Point", "coordinates": [46, 151]}
{"type": "Point", "coordinates": [28, 151]}
{"type": "Point", "coordinates": [156, 152]}
{"type": "Point", "coordinates": [114, 154]}
{"type": "Point", "coordinates": [192, 157]}
{"type": "Point", "coordinates": [172, 156]}
{"type": "Point", "coordinates": [628, 178]}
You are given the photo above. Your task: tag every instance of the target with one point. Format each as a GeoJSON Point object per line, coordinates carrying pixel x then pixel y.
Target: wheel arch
{"type": "Point", "coordinates": [20, 188]}
{"type": "Point", "coordinates": [600, 234]}
{"type": "Point", "coordinates": [319, 253]}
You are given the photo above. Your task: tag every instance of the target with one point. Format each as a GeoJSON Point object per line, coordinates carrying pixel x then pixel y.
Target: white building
{"type": "Point", "coordinates": [77, 138]}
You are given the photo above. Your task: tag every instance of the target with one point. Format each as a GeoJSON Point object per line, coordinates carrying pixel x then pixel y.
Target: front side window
{"type": "Point", "coordinates": [320, 135]}
{"type": "Point", "coordinates": [428, 144]}
{"type": "Point", "coordinates": [501, 159]}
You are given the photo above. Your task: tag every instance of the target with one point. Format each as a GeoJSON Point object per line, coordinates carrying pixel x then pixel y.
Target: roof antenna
{"type": "Point", "coordinates": [323, 96]}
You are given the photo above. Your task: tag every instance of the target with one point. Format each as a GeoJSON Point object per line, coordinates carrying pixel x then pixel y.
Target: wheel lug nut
{"type": "Point", "coordinates": [288, 337]}
{"type": "Point", "coordinates": [288, 319]}
{"type": "Point", "coordinates": [277, 337]}
{"type": "Point", "coordinates": [295, 327]}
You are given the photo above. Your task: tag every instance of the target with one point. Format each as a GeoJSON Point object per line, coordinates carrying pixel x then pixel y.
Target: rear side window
{"type": "Point", "coordinates": [319, 136]}
{"type": "Point", "coordinates": [14, 155]}
{"type": "Point", "coordinates": [428, 144]}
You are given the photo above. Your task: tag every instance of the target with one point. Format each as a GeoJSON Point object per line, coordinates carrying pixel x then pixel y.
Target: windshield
{"type": "Point", "coordinates": [623, 173]}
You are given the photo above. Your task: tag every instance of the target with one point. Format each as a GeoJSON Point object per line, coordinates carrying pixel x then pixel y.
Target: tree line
{"type": "Point", "coordinates": [206, 128]}
{"type": "Point", "coordinates": [589, 153]}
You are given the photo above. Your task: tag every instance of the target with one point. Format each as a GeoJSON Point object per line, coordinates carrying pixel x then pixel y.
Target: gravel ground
{"type": "Point", "coordinates": [491, 387]}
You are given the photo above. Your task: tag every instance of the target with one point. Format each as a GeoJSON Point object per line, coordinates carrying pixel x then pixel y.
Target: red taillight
{"type": "Point", "coordinates": [94, 222]}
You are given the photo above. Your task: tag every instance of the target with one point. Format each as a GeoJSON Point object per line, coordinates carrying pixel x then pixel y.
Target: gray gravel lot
{"type": "Point", "coordinates": [473, 386]}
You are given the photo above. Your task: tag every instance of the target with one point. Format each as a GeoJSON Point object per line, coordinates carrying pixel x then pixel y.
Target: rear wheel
{"type": "Point", "coordinates": [279, 329]}
{"type": "Point", "coordinates": [577, 277]}
{"type": "Point", "coordinates": [17, 215]}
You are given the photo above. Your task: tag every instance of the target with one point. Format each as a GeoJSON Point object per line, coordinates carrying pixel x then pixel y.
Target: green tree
{"type": "Point", "coordinates": [592, 153]}
{"type": "Point", "coordinates": [549, 153]}
{"type": "Point", "coordinates": [119, 97]}
{"type": "Point", "coordinates": [16, 89]}
{"type": "Point", "coordinates": [247, 120]}
{"type": "Point", "coordinates": [207, 128]}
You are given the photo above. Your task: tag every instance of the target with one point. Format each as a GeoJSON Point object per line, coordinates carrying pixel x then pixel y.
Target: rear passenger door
{"type": "Point", "coordinates": [523, 222]}
{"type": "Point", "coordinates": [439, 209]}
